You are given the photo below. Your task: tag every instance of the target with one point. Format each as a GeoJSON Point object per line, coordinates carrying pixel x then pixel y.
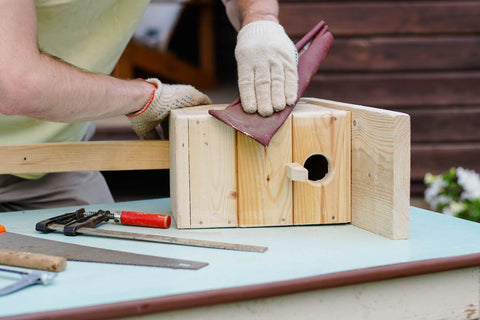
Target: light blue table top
{"type": "Point", "coordinates": [294, 252]}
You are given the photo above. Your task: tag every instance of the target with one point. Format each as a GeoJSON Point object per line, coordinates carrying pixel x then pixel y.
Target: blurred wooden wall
{"type": "Point", "coordinates": [418, 57]}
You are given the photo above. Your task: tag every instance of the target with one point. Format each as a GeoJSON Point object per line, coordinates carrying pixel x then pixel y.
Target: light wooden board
{"type": "Point", "coordinates": [323, 133]}
{"type": "Point", "coordinates": [212, 172]}
{"type": "Point", "coordinates": [264, 190]}
{"type": "Point", "coordinates": [84, 156]}
{"type": "Point", "coordinates": [380, 168]}
{"type": "Point", "coordinates": [179, 168]}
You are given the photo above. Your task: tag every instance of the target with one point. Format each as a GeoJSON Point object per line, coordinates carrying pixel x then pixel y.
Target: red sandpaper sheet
{"type": "Point", "coordinates": [313, 49]}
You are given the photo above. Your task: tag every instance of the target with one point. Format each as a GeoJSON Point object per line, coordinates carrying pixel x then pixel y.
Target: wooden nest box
{"type": "Point", "coordinates": [329, 163]}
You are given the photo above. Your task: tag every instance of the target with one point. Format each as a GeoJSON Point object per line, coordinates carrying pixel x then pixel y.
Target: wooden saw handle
{"type": "Point", "coordinates": [31, 260]}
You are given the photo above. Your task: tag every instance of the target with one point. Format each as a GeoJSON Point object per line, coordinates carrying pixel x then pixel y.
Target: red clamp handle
{"type": "Point", "coordinates": [155, 220]}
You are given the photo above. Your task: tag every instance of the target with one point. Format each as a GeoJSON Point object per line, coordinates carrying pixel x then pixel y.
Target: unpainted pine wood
{"type": "Point", "coordinates": [84, 156]}
{"type": "Point", "coordinates": [352, 18]}
{"type": "Point", "coordinates": [325, 132]}
{"type": "Point", "coordinates": [212, 174]}
{"type": "Point", "coordinates": [264, 190]}
{"type": "Point", "coordinates": [32, 260]}
{"type": "Point", "coordinates": [296, 172]}
{"type": "Point", "coordinates": [179, 168]}
{"type": "Point", "coordinates": [380, 168]}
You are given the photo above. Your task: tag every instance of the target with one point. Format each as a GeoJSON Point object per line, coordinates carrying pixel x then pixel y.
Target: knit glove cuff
{"type": "Point", "coordinates": [164, 99]}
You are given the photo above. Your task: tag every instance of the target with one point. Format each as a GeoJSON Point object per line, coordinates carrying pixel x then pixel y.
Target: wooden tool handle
{"type": "Point", "coordinates": [32, 260]}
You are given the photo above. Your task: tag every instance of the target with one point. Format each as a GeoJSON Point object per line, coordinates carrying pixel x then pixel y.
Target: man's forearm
{"type": "Point", "coordinates": [40, 86]}
{"type": "Point", "coordinates": [254, 10]}
{"type": "Point", "coordinates": [57, 91]}
{"type": "Point", "coordinates": [242, 12]}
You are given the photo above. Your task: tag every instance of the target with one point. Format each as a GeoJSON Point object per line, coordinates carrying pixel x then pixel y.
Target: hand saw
{"type": "Point", "coordinates": [313, 49]}
{"type": "Point", "coordinates": [73, 252]}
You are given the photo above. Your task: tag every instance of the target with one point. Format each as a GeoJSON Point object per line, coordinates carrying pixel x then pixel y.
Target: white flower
{"type": "Point", "coordinates": [433, 194]}
{"type": "Point", "coordinates": [470, 182]}
{"type": "Point", "coordinates": [454, 208]}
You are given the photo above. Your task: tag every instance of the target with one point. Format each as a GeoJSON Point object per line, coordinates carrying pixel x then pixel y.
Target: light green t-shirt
{"type": "Point", "coordinates": [90, 34]}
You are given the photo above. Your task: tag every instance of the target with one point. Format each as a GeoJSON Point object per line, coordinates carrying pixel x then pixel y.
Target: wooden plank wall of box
{"type": "Point", "coordinates": [330, 162]}
{"type": "Point", "coordinates": [418, 57]}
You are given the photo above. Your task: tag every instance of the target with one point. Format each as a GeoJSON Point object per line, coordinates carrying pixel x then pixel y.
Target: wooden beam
{"type": "Point", "coordinates": [380, 168]}
{"type": "Point", "coordinates": [179, 168]}
{"type": "Point", "coordinates": [84, 156]}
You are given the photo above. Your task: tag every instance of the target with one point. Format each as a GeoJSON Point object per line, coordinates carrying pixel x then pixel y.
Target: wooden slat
{"type": "Point", "coordinates": [179, 168]}
{"type": "Point", "coordinates": [264, 190]}
{"type": "Point", "coordinates": [380, 168]}
{"type": "Point", "coordinates": [319, 131]}
{"type": "Point", "coordinates": [84, 156]}
{"type": "Point", "coordinates": [403, 53]}
{"type": "Point", "coordinates": [212, 173]}
{"type": "Point", "coordinates": [398, 89]}
{"type": "Point", "coordinates": [445, 125]}
{"type": "Point", "coordinates": [438, 158]}
{"type": "Point", "coordinates": [370, 18]}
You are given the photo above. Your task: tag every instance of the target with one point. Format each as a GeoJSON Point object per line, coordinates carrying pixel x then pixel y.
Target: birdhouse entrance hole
{"type": "Point", "coordinates": [317, 166]}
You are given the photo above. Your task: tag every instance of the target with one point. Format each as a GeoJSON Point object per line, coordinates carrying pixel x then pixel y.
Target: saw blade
{"type": "Point", "coordinates": [74, 252]}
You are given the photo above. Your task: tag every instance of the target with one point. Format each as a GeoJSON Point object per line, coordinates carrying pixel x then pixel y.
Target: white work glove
{"type": "Point", "coordinates": [165, 98]}
{"type": "Point", "coordinates": [267, 68]}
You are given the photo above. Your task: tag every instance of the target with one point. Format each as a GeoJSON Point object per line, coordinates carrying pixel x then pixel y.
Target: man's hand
{"type": "Point", "coordinates": [165, 98]}
{"type": "Point", "coordinates": [267, 68]}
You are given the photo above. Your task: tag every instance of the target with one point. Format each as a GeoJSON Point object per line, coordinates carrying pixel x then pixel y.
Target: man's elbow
{"type": "Point", "coordinates": [16, 96]}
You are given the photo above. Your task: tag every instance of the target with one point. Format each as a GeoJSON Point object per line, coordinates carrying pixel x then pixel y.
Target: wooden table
{"type": "Point", "coordinates": [308, 272]}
